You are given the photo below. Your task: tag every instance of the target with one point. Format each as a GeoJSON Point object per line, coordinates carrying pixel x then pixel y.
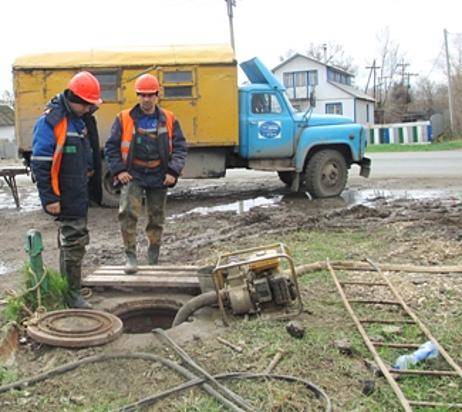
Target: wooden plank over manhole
{"type": "Point", "coordinates": [141, 281]}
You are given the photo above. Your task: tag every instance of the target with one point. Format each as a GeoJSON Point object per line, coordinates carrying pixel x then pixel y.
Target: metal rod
{"type": "Point", "coordinates": [374, 302]}
{"type": "Point", "coordinates": [364, 283]}
{"type": "Point", "coordinates": [370, 346]}
{"type": "Point", "coordinates": [405, 321]}
{"type": "Point", "coordinates": [397, 345]}
{"type": "Point", "coordinates": [423, 372]}
{"type": "Point", "coordinates": [436, 404]}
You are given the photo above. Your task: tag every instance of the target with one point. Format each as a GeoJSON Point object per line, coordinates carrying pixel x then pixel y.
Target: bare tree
{"type": "Point", "coordinates": [392, 92]}
{"type": "Point", "coordinates": [7, 98]}
{"type": "Point", "coordinates": [333, 54]}
{"type": "Point", "coordinates": [328, 53]}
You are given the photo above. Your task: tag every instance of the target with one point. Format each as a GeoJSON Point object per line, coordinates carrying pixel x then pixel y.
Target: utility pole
{"type": "Point", "coordinates": [373, 69]}
{"type": "Point", "coordinates": [230, 4]}
{"type": "Point", "coordinates": [403, 69]}
{"type": "Point", "coordinates": [451, 118]}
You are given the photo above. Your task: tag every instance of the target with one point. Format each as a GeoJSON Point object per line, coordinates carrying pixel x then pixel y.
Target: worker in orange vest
{"type": "Point", "coordinates": [62, 164]}
{"type": "Point", "coordinates": [146, 153]}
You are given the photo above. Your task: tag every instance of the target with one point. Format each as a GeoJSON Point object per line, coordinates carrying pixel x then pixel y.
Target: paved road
{"type": "Point", "coordinates": [417, 164]}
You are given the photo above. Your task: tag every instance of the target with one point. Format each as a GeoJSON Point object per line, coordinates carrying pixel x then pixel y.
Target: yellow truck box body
{"type": "Point", "coordinates": [199, 84]}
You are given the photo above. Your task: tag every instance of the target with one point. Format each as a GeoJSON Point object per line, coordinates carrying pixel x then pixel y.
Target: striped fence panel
{"type": "Point", "coordinates": [401, 133]}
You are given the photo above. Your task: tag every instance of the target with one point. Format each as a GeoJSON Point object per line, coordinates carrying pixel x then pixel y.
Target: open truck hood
{"type": "Point", "coordinates": [257, 72]}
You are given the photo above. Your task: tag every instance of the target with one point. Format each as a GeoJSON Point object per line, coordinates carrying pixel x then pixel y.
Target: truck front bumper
{"type": "Point", "coordinates": [365, 164]}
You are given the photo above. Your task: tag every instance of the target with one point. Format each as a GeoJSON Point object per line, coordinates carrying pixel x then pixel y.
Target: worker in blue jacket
{"type": "Point", "coordinates": [146, 154]}
{"type": "Point", "coordinates": [62, 164]}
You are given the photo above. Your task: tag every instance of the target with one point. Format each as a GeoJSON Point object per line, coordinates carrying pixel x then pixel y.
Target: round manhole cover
{"type": "Point", "coordinates": [76, 328]}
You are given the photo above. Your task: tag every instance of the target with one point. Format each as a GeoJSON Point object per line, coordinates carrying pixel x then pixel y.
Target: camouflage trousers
{"type": "Point", "coordinates": [130, 208]}
{"type": "Point", "coordinates": [73, 236]}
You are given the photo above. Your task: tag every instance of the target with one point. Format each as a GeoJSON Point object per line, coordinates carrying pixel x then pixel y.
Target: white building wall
{"type": "Point", "coordinates": [7, 133]}
{"type": "Point", "coordinates": [324, 91]}
{"type": "Point", "coordinates": [362, 107]}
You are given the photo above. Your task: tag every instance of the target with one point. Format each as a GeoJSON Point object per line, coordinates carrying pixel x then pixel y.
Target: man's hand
{"type": "Point", "coordinates": [53, 208]}
{"type": "Point", "coordinates": [124, 177]}
{"type": "Point", "coordinates": [169, 180]}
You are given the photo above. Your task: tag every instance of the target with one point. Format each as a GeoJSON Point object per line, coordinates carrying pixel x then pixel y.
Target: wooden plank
{"type": "Point", "coordinates": [143, 272]}
{"type": "Point", "coordinates": [141, 281]}
{"type": "Point", "coordinates": [155, 268]}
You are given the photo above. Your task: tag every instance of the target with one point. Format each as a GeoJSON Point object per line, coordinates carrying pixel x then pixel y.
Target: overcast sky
{"type": "Point", "coordinates": [264, 28]}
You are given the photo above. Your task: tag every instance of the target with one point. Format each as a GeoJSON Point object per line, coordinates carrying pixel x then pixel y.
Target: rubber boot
{"type": "Point", "coordinates": [74, 299]}
{"type": "Point", "coordinates": [153, 254]}
{"type": "Point", "coordinates": [131, 265]}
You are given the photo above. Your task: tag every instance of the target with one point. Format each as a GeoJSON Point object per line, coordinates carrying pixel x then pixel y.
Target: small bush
{"type": "Point", "coordinates": [53, 298]}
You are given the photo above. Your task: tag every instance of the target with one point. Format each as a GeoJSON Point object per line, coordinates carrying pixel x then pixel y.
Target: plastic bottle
{"type": "Point", "coordinates": [426, 351]}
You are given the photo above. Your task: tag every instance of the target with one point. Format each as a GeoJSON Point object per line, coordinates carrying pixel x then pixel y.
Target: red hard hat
{"type": "Point", "coordinates": [147, 83]}
{"type": "Point", "coordinates": [86, 86]}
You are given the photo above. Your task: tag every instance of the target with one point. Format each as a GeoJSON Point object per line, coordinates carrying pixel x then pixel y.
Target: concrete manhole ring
{"type": "Point", "coordinates": [76, 328]}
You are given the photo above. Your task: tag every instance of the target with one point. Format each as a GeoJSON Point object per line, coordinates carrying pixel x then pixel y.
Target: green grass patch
{"type": "Point", "coordinates": [53, 298]}
{"type": "Point", "coordinates": [382, 148]}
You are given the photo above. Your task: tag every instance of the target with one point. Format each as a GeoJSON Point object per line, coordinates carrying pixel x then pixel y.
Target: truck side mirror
{"type": "Point", "coordinates": [312, 98]}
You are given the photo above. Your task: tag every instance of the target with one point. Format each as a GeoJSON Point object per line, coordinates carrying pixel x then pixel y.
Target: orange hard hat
{"type": "Point", "coordinates": [86, 86]}
{"type": "Point", "coordinates": [147, 83]}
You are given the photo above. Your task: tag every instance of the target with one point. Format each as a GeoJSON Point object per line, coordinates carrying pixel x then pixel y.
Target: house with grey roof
{"type": "Point", "coordinates": [8, 148]}
{"type": "Point", "coordinates": [332, 87]}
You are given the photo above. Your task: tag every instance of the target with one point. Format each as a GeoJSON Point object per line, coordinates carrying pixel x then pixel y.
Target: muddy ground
{"type": "Point", "coordinates": [422, 218]}
{"type": "Point", "coordinates": [202, 214]}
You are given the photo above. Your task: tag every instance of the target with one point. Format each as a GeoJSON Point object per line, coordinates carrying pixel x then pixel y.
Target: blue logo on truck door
{"type": "Point", "coordinates": [269, 130]}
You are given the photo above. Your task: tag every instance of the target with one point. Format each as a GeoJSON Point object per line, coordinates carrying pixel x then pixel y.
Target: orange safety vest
{"type": "Point", "coordinates": [128, 130]}
{"type": "Point", "coordinates": [60, 131]}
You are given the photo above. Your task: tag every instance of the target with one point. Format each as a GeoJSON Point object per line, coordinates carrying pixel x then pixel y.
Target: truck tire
{"type": "Point", "coordinates": [325, 174]}
{"type": "Point", "coordinates": [286, 177]}
{"type": "Point", "coordinates": [110, 194]}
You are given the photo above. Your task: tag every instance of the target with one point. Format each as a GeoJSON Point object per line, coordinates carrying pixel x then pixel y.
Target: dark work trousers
{"type": "Point", "coordinates": [73, 236]}
{"type": "Point", "coordinates": [130, 207]}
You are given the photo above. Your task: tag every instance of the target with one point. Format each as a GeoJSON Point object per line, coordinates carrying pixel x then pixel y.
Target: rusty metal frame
{"type": "Point", "coordinates": [9, 175]}
{"type": "Point", "coordinates": [282, 252]}
{"type": "Point", "coordinates": [371, 345]}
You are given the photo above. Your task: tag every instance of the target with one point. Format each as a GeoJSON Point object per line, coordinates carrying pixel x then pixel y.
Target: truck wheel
{"type": "Point", "coordinates": [110, 194]}
{"type": "Point", "coordinates": [286, 177]}
{"type": "Point", "coordinates": [325, 174]}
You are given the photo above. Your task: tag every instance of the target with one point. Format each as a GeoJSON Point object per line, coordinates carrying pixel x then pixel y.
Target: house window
{"type": "Point", "coordinates": [109, 81]}
{"type": "Point", "coordinates": [339, 77]}
{"type": "Point", "coordinates": [178, 84]}
{"type": "Point", "coordinates": [367, 112]}
{"type": "Point", "coordinates": [334, 108]}
{"type": "Point", "coordinates": [265, 103]}
{"type": "Point", "coordinates": [301, 78]}
{"type": "Point", "coordinates": [299, 84]}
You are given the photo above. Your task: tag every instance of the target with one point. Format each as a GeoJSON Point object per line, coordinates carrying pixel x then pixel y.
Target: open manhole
{"type": "Point", "coordinates": [144, 316]}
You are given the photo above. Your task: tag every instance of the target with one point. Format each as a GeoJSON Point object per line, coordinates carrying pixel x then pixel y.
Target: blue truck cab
{"type": "Point", "coordinates": [310, 152]}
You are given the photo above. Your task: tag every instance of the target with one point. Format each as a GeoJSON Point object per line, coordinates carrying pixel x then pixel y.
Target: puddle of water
{"type": "Point", "coordinates": [368, 197]}
{"type": "Point", "coordinates": [240, 206]}
{"type": "Point", "coordinates": [28, 198]}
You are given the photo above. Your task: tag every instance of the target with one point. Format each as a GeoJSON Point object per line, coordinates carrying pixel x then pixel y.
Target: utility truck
{"type": "Point", "coordinates": [253, 126]}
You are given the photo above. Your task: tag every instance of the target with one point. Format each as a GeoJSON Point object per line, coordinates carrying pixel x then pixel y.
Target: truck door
{"type": "Point", "coordinates": [270, 126]}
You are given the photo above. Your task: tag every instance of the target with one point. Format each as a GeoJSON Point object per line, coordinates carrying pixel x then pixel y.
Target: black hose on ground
{"type": "Point", "coordinates": [105, 357]}
{"type": "Point", "coordinates": [190, 362]}
{"type": "Point", "coordinates": [151, 400]}
{"type": "Point", "coordinates": [197, 302]}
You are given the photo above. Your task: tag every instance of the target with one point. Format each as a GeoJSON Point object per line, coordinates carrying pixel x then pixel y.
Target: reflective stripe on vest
{"type": "Point", "coordinates": [128, 130]}
{"type": "Point", "coordinates": [60, 131]}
